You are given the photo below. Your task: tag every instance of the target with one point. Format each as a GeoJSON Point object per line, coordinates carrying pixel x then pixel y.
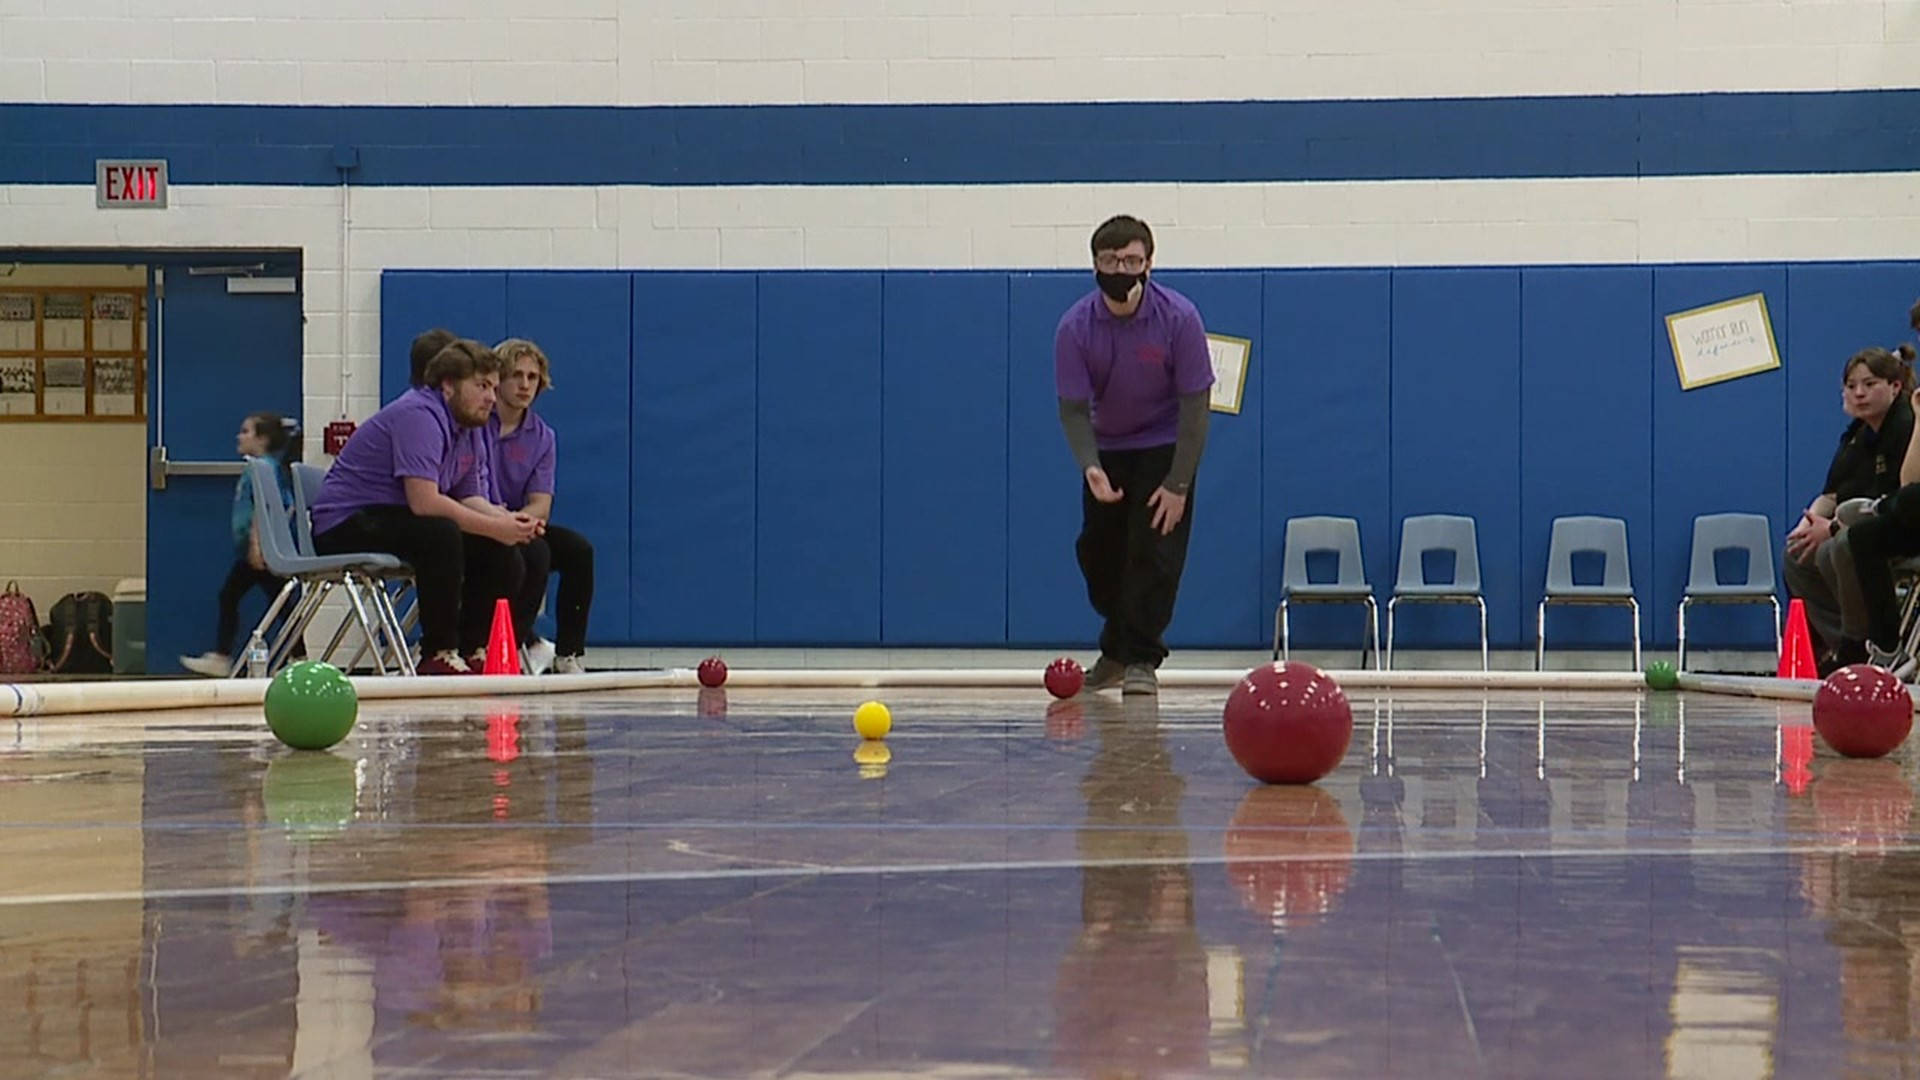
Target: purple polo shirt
{"type": "Point", "coordinates": [522, 463]}
{"type": "Point", "coordinates": [1134, 369]}
{"type": "Point", "coordinates": [415, 435]}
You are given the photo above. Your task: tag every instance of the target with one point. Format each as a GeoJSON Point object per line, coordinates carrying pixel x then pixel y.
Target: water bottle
{"type": "Point", "coordinates": [256, 657]}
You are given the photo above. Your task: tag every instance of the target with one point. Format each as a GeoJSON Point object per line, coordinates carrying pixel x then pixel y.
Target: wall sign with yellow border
{"type": "Point", "coordinates": [1722, 341]}
{"type": "Point", "coordinates": [1229, 356]}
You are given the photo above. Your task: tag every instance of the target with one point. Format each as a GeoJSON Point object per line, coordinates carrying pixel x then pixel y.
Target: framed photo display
{"type": "Point", "coordinates": [73, 353]}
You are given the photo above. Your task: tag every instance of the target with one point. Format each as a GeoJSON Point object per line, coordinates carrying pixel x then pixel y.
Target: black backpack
{"type": "Point", "coordinates": [80, 635]}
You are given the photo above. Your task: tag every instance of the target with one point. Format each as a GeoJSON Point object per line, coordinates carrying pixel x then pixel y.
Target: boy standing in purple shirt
{"type": "Point", "coordinates": [525, 451]}
{"type": "Point", "coordinates": [1131, 366]}
{"type": "Point", "coordinates": [413, 482]}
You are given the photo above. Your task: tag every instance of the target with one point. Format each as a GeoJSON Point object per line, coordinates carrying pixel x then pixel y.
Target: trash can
{"type": "Point", "coordinates": [130, 627]}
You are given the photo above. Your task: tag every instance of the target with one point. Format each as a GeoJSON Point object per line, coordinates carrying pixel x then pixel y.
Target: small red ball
{"type": "Point", "coordinates": [713, 672]}
{"type": "Point", "coordinates": [1288, 723]}
{"type": "Point", "coordinates": [1862, 711]}
{"type": "Point", "coordinates": [1064, 677]}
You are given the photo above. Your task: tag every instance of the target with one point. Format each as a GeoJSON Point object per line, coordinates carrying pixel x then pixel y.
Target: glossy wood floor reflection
{"type": "Point", "coordinates": [1515, 884]}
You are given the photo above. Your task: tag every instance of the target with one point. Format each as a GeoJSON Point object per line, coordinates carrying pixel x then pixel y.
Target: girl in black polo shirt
{"type": "Point", "coordinates": [1819, 569]}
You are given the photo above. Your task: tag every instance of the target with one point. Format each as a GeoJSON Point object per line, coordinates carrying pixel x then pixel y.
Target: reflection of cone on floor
{"type": "Point", "coordinates": [503, 655]}
{"type": "Point", "coordinates": [1796, 646]}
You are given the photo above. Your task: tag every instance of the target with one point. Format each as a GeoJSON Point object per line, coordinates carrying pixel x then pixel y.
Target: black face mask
{"type": "Point", "coordinates": [1117, 286]}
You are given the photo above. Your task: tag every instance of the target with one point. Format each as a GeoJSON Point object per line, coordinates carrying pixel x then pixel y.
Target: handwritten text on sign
{"type": "Point", "coordinates": [1722, 341]}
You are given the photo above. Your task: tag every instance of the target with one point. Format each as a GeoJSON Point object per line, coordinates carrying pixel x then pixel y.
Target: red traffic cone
{"type": "Point", "coordinates": [1796, 647]}
{"type": "Point", "coordinates": [503, 654]}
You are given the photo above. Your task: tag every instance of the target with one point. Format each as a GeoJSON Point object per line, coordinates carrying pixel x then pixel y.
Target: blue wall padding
{"type": "Point", "coordinates": [1583, 449]}
{"type": "Point", "coordinates": [1455, 434]}
{"type": "Point", "coordinates": [693, 407]}
{"type": "Point", "coordinates": [1327, 351]}
{"type": "Point", "coordinates": [583, 320]}
{"type": "Point", "coordinates": [816, 458]}
{"type": "Point", "coordinates": [818, 494]}
{"type": "Point", "coordinates": [1836, 310]}
{"type": "Point", "coordinates": [472, 305]}
{"type": "Point", "coordinates": [1046, 598]}
{"type": "Point", "coordinates": [943, 459]}
{"type": "Point", "coordinates": [1219, 606]}
{"type": "Point", "coordinates": [1716, 448]}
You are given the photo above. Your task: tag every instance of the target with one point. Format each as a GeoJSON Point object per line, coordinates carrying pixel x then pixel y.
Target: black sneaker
{"type": "Point", "coordinates": [1105, 674]}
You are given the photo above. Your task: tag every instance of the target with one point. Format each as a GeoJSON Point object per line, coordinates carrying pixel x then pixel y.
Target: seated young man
{"type": "Point", "coordinates": [412, 482]}
{"type": "Point", "coordinates": [524, 455]}
{"type": "Point", "coordinates": [425, 347]}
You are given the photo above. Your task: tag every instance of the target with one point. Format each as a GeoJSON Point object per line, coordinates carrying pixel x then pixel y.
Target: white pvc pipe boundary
{"type": "Point", "coordinates": [49, 699]}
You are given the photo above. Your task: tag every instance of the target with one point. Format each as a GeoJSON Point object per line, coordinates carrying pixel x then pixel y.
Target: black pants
{"type": "Point", "coordinates": [1892, 533]}
{"type": "Point", "coordinates": [239, 579]}
{"type": "Point", "coordinates": [458, 575]}
{"type": "Point", "coordinates": [565, 552]}
{"type": "Point", "coordinates": [1132, 572]}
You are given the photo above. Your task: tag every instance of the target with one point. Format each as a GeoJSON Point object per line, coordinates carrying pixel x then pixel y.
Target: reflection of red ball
{"type": "Point", "coordinates": [1064, 677]}
{"type": "Point", "coordinates": [713, 702]}
{"type": "Point", "coordinates": [1287, 723]}
{"type": "Point", "coordinates": [1862, 711]}
{"type": "Point", "coordinates": [1862, 806]}
{"type": "Point", "coordinates": [1289, 853]}
{"type": "Point", "coordinates": [713, 671]}
{"type": "Point", "coordinates": [1065, 721]}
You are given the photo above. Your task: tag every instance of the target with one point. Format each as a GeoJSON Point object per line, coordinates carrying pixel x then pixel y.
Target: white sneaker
{"type": "Point", "coordinates": [213, 665]}
{"type": "Point", "coordinates": [569, 665]}
{"type": "Point", "coordinates": [539, 656]}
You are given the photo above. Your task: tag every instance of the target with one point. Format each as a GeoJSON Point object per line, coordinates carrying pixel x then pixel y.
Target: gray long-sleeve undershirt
{"type": "Point", "coordinates": [1076, 419]}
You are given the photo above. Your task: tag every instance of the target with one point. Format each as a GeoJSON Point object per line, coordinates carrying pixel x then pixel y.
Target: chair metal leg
{"type": "Point", "coordinates": [1391, 604]}
{"type": "Point", "coordinates": [1481, 601]}
{"type": "Point", "coordinates": [1373, 633]}
{"type": "Point", "coordinates": [1280, 642]}
{"type": "Point", "coordinates": [263, 627]}
{"type": "Point", "coordinates": [360, 616]}
{"type": "Point", "coordinates": [1778, 641]}
{"type": "Point", "coordinates": [396, 635]}
{"type": "Point", "coordinates": [1633, 606]}
{"type": "Point", "coordinates": [1540, 637]}
{"type": "Point", "coordinates": [1681, 661]}
{"type": "Point", "coordinates": [313, 594]}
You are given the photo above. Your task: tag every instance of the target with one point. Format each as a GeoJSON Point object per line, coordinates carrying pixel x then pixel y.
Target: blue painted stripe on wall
{"type": "Point", "coordinates": [1431, 138]}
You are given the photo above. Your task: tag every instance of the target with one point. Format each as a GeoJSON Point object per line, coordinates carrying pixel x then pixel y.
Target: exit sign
{"type": "Point", "coordinates": [122, 184]}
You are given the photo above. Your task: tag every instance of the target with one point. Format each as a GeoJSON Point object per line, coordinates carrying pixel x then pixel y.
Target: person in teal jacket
{"type": "Point", "coordinates": [263, 434]}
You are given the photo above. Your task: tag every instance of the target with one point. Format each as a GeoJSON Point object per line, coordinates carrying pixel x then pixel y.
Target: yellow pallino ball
{"type": "Point", "coordinates": [872, 720]}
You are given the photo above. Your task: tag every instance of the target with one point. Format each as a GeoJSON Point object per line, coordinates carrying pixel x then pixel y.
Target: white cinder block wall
{"type": "Point", "coordinates": [674, 52]}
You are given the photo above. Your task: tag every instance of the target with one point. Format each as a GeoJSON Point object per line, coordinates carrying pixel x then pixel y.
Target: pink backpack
{"type": "Point", "coordinates": [20, 648]}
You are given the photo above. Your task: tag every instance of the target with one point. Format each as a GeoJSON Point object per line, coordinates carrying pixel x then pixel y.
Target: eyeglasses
{"type": "Point", "coordinates": [1109, 264]}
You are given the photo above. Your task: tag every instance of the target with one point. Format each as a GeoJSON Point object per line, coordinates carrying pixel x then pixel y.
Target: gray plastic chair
{"type": "Point", "coordinates": [1439, 532]}
{"type": "Point", "coordinates": [1572, 535]}
{"type": "Point", "coordinates": [307, 478]}
{"type": "Point", "coordinates": [315, 577]}
{"type": "Point", "coordinates": [1718, 532]}
{"type": "Point", "coordinates": [1340, 535]}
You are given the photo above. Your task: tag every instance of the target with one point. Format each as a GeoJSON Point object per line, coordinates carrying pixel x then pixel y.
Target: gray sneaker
{"type": "Point", "coordinates": [1140, 679]}
{"type": "Point", "coordinates": [1105, 674]}
{"type": "Point", "coordinates": [1897, 662]}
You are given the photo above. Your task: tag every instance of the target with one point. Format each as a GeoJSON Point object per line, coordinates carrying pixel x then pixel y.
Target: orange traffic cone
{"type": "Point", "coordinates": [1796, 647]}
{"type": "Point", "coordinates": [503, 654]}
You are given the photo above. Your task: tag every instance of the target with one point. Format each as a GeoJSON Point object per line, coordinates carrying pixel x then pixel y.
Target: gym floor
{"type": "Point", "coordinates": [730, 883]}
